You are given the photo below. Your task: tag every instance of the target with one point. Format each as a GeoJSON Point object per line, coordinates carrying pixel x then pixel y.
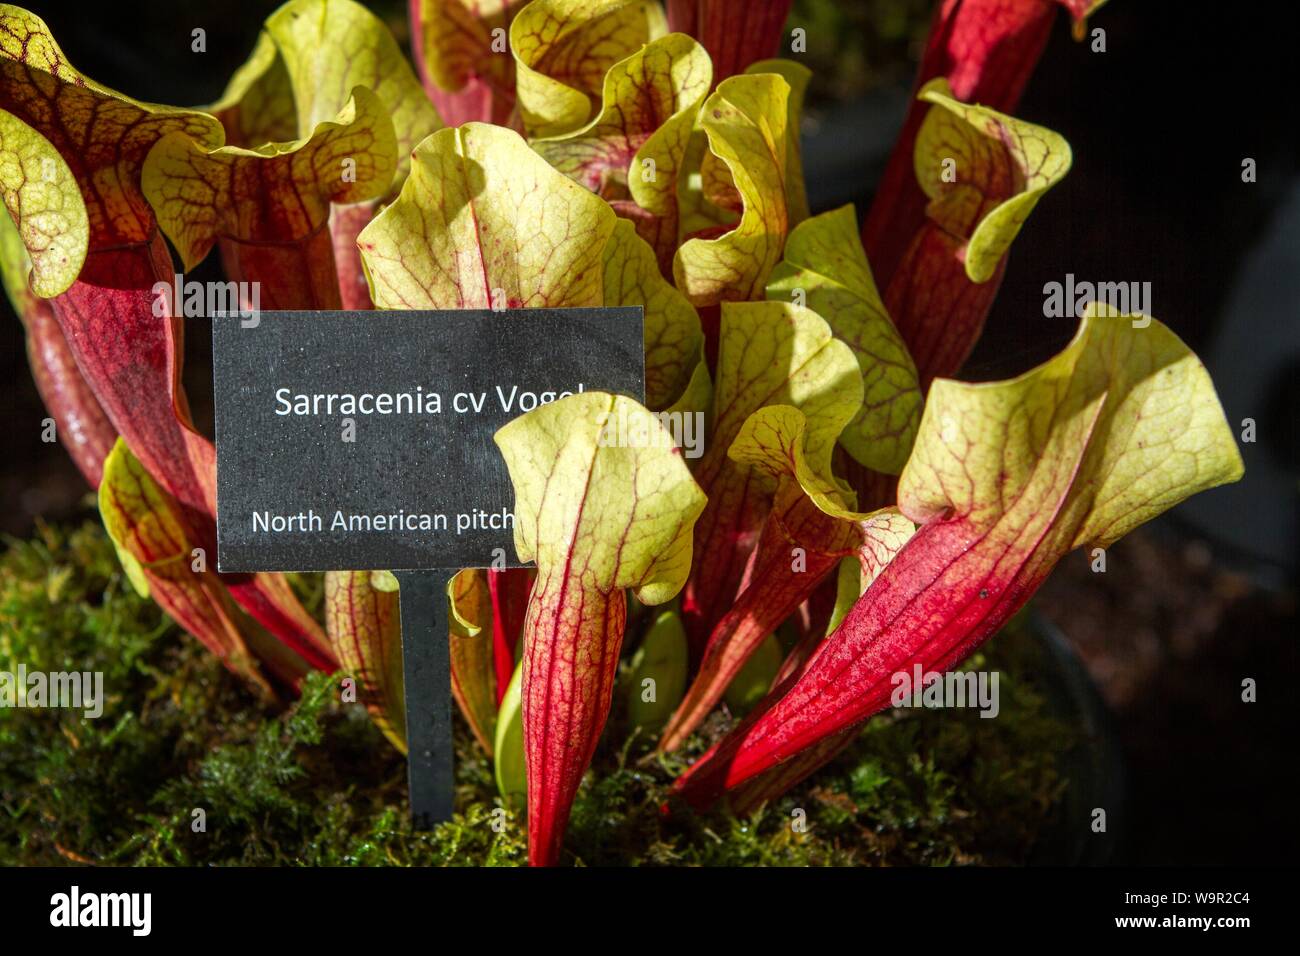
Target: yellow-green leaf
{"type": "Point", "coordinates": [563, 49]}
{"type": "Point", "coordinates": [774, 440]}
{"type": "Point", "coordinates": [634, 149]}
{"type": "Point", "coordinates": [769, 353]}
{"type": "Point", "coordinates": [473, 678]}
{"type": "Point", "coordinates": [458, 45]}
{"type": "Point", "coordinates": [810, 526]}
{"type": "Point", "coordinates": [747, 123]}
{"type": "Point", "coordinates": [882, 538]}
{"type": "Point", "coordinates": [716, 184]}
{"type": "Point", "coordinates": [629, 509]}
{"type": "Point", "coordinates": [698, 394]}
{"type": "Point", "coordinates": [257, 105]}
{"type": "Point", "coordinates": [673, 339]}
{"type": "Point", "coordinates": [508, 764]}
{"type": "Point", "coordinates": [598, 516]}
{"type": "Point", "coordinates": [329, 48]}
{"type": "Point", "coordinates": [139, 516]}
{"type": "Point", "coordinates": [148, 530]}
{"type": "Point", "coordinates": [825, 267]}
{"type": "Point", "coordinates": [42, 197]}
{"type": "Point", "coordinates": [697, 213]}
{"type": "Point", "coordinates": [662, 660]}
{"type": "Point", "coordinates": [1120, 426]}
{"type": "Point", "coordinates": [798, 77]}
{"type": "Point", "coordinates": [774, 353]}
{"type": "Point", "coordinates": [752, 682]}
{"type": "Point", "coordinates": [364, 627]}
{"type": "Point", "coordinates": [15, 270]}
{"type": "Point", "coordinates": [483, 221]}
{"type": "Point", "coordinates": [983, 172]}
{"type": "Point", "coordinates": [848, 588]}
{"type": "Point", "coordinates": [276, 193]}
{"type": "Point", "coordinates": [101, 135]}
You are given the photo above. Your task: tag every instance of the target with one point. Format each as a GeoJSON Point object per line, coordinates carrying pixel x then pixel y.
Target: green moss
{"type": "Point", "coordinates": [316, 784]}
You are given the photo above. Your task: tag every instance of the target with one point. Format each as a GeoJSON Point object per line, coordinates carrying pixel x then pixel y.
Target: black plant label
{"type": "Point", "coordinates": [363, 440]}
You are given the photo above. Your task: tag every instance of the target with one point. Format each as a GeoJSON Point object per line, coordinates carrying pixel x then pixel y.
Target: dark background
{"type": "Point", "coordinates": [1159, 125]}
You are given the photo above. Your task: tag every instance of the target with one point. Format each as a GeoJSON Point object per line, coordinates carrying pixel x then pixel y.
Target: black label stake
{"type": "Point", "coordinates": [426, 673]}
{"type": "Point", "coordinates": [364, 441]}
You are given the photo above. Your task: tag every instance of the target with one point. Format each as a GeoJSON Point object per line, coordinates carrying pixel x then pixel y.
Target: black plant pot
{"type": "Point", "coordinates": [1094, 767]}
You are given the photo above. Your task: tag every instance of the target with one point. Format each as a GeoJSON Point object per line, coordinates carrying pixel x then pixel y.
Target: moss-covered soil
{"type": "Point", "coordinates": [314, 783]}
